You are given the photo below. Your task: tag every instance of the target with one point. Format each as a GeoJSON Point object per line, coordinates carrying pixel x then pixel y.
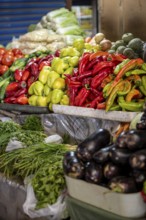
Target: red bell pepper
{"type": "Point", "coordinates": [82, 96]}
{"type": "Point", "coordinates": [30, 80]}
{"type": "Point", "coordinates": [25, 75]}
{"type": "Point", "coordinates": [22, 99]}
{"type": "Point", "coordinates": [18, 75]}
{"type": "Point", "coordinates": [10, 100]}
{"type": "Point", "coordinates": [13, 86]}
{"type": "Point", "coordinates": [34, 69]}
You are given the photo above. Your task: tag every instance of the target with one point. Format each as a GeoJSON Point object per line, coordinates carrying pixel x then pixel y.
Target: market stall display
{"type": "Point", "coordinates": [86, 77]}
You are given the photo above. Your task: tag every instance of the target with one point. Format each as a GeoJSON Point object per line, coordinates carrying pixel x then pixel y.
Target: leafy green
{"type": "Point", "coordinates": [32, 122]}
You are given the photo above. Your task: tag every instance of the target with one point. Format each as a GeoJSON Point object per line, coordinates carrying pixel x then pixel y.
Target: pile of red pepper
{"type": "Point", "coordinates": [85, 85]}
{"type": "Point", "coordinates": [16, 92]}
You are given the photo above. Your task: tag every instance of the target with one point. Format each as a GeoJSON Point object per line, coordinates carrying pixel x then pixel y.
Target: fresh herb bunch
{"type": "Point", "coordinates": [33, 123]}
{"type": "Point", "coordinates": [9, 126]}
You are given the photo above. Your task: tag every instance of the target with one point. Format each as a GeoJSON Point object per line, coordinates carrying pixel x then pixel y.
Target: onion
{"type": "Point", "coordinates": [105, 44]}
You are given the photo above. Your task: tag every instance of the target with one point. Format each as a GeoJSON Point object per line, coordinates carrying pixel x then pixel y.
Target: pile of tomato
{"type": "Point", "coordinates": [7, 57]}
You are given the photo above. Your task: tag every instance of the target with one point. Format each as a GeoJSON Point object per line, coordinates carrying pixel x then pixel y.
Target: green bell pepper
{"type": "Point", "coordinates": [43, 75]}
{"type": "Point", "coordinates": [38, 88]}
{"type": "Point", "coordinates": [52, 76]}
{"type": "Point", "coordinates": [57, 95]}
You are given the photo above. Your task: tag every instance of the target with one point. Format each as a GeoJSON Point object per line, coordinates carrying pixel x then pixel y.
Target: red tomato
{"type": "Point", "coordinates": [3, 69]}
{"type": "Point", "coordinates": [16, 51]}
{"type": "Point", "coordinates": [2, 50]}
{"type": "Point", "coordinates": [9, 52]}
{"type": "Point", "coordinates": [1, 56]}
{"type": "Point", "coordinates": [7, 59]}
{"type": "Point", "coordinates": [19, 56]}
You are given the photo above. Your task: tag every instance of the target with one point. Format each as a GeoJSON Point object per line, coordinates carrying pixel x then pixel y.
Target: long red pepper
{"type": "Point", "coordinates": [83, 62]}
{"type": "Point", "coordinates": [82, 96]}
{"type": "Point", "coordinates": [102, 65]}
{"type": "Point", "coordinates": [97, 80]}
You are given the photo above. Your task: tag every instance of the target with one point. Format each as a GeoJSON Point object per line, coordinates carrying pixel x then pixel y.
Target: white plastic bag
{"type": "Point", "coordinates": [51, 212]}
{"type": "Point", "coordinates": [14, 144]}
{"type": "Point", "coordinates": [55, 138]}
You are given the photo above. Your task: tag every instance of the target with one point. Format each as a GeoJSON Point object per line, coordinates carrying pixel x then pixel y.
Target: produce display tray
{"type": "Point", "coordinates": [24, 108]}
{"type": "Point", "coordinates": [125, 205]}
{"type": "Point", "coordinates": [94, 113]}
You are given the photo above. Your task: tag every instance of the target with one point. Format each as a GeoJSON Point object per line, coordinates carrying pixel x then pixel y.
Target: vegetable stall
{"type": "Point", "coordinates": [79, 120]}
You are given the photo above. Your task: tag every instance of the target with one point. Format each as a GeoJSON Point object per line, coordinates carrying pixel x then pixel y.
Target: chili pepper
{"type": "Point", "coordinates": [144, 82]}
{"type": "Point", "coordinates": [134, 93]}
{"type": "Point", "coordinates": [116, 57]}
{"type": "Point", "coordinates": [22, 99]}
{"type": "Point", "coordinates": [13, 86]}
{"type": "Point", "coordinates": [143, 66]}
{"type": "Point", "coordinates": [135, 72]}
{"type": "Point", "coordinates": [115, 108]}
{"type": "Point", "coordinates": [130, 106]}
{"type": "Point", "coordinates": [75, 72]}
{"type": "Point", "coordinates": [83, 62]}
{"type": "Point", "coordinates": [102, 65]}
{"type": "Point", "coordinates": [121, 65]}
{"type": "Point", "coordinates": [22, 84]}
{"type": "Point", "coordinates": [84, 75]}
{"type": "Point", "coordinates": [82, 96]}
{"type": "Point", "coordinates": [21, 91]}
{"type": "Point", "coordinates": [97, 100]}
{"type": "Point", "coordinates": [3, 89]}
{"type": "Point", "coordinates": [25, 75]}
{"type": "Point", "coordinates": [34, 69]}
{"type": "Point", "coordinates": [10, 100]}
{"type": "Point", "coordinates": [120, 87]}
{"type": "Point", "coordinates": [130, 65]}
{"type": "Point", "coordinates": [74, 84]}
{"type": "Point", "coordinates": [93, 62]}
{"type": "Point", "coordinates": [30, 80]}
{"type": "Point", "coordinates": [108, 79]}
{"type": "Point", "coordinates": [142, 89]}
{"type": "Point", "coordinates": [18, 74]}
{"type": "Point", "coordinates": [86, 82]}
{"type": "Point", "coordinates": [97, 54]}
{"type": "Point", "coordinates": [134, 78]}
{"type": "Point", "coordinates": [97, 80]}
{"type": "Point", "coordinates": [95, 92]}
{"type": "Point", "coordinates": [101, 105]}
{"type": "Point", "coordinates": [72, 94]}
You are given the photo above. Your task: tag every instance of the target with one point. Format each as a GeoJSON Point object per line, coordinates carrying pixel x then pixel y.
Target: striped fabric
{"type": "Point", "coordinates": [17, 15]}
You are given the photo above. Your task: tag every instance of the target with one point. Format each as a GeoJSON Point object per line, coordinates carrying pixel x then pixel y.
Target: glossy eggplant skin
{"type": "Point", "coordinates": [119, 156]}
{"type": "Point", "coordinates": [122, 184]}
{"type": "Point", "coordinates": [133, 140]}
{"type": "Point", "coordinates": [93, 173]}
{"type": "Point", "coordinates": [139, 177]}
{"type": "Point", "coordinates": [111, 170]}
{"type": "Point", "coordinates": [72, 166]}
{"type": "Point", "coordinates": [137, 160]}
{"type": "Point", "coordinates": [121, 140]}
{"type": "Point", "coordinates": [141, 125]}
{"type": "Point", "coordinates": [102, 155]}
{"type": "Point", "coordinates": [93, 143]}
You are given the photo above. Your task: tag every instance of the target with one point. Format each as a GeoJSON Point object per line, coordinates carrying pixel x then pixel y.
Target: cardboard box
{"type": "Point", "coordinates": [125, 205]}
{"type": "Point", "coordinates": [121, 16]}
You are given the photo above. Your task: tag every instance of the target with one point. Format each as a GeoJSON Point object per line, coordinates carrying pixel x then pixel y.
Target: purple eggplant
{"type": "Point", "coordinates": [123, 184]}
{"type": "Point", "coordinates": [137, 160]}
{"type": "Point", "coordinates": [141, 125]}
{"type": "Point", "coordinates": [132, 139]}
{"type": "Point", "coordinates": [111, 170]}
{"type": "Point", "coordinates": [102, 155]}
{"type": "Point", "coordinates": [93, 143]}
{"type": "Point", "coordinates": [139, 177]}
{"type": "Point", "coordinates": [93, 173]}
{"type": "Point", "coordinates": [72, 166]}
{"type": "Point", "coordinates": [121, 140]}
{"type": "Point", "coordinates": [119, 156]}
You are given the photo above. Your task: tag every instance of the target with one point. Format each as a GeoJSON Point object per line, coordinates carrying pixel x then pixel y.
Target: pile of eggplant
{"type": "Point", "coordinates": [119, 166]}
